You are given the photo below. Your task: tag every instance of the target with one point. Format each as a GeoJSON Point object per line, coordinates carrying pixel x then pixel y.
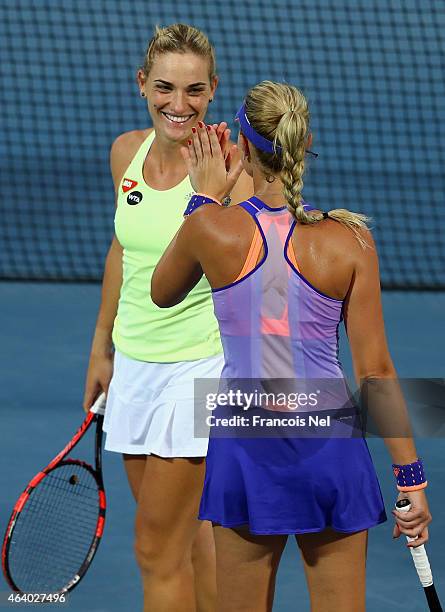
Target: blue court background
{"type": "Point", "coordinates": [373, 72]}
{"type": "Point", "coordinates": [46, 333]}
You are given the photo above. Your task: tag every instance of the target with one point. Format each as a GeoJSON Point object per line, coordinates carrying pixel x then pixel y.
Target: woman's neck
{"type": "Point", "coordinates": [166, 155]}
{"type": "Point", "coordinates": [270, 193]}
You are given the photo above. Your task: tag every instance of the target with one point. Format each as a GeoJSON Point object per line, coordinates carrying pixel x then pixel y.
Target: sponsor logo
{"type": "Point", "coordinates": [134, 197]}
{"type": "Point", "coordinates": [128, 184]}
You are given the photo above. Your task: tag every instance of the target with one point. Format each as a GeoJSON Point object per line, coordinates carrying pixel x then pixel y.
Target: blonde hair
{"type": "Point", "coordinates": [179, 38]}
{"type": "Point", "coordinates": [280, 113]}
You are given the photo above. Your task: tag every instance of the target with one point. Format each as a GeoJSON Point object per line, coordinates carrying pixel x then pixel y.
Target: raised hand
{"type": "Point", "coordinates": [208, 158]}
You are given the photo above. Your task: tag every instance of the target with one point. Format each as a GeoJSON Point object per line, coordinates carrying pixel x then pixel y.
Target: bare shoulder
{"type": "Point", "coordinates": [215, 224]}
{"type": "Point", "coordinates": [339, 241]}
{"type": "Point", "coordinates": [201, 220]}
{"type": "Point", "coordinates": [129, 141]}
{"type": "Point", "coordinates": [123, 150]}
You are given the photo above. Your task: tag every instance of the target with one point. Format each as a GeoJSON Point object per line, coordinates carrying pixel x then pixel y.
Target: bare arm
{"type": "Point", "coordinates": [100, 368]}
{"type": "Point", "coordinates": [370, 355]}
{"type": "Point", "coordinates": [178, 270]}
{"type": "Point", "coordinates": [372, 363]}
{"type": "Point", "coordinates": [111, 284]}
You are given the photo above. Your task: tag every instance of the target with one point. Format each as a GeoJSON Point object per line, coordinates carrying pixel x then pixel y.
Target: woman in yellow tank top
{"type": "Point", "coordinates": [158, 353]}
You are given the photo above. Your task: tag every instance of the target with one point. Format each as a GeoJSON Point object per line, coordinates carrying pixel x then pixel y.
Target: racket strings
{"type": "Point", "coordinates": [47, 566]}
{"type": "Point", "coordinates": [57, 481]}
{"type": "Point", "coordinates": [55, 529]}
{"type": "Point", "coordinates": [49, 541]}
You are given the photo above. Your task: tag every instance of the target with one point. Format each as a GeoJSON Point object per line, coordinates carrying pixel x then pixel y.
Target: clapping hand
{"type": "Point", "coordinates": [209, 160]}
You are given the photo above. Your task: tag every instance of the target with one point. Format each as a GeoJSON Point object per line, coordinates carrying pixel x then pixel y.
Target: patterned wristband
{"type": "Point", "coordinates": [410, 477]}
{"type": "Point", "coordinates": [197, 200]}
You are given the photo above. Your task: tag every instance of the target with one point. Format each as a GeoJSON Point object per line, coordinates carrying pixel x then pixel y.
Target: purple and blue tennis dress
{"type": "Point", "coordinates": [275, 325]}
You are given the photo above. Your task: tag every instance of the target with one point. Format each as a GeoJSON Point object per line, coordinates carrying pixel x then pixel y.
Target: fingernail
{"type": "Point", "coordinates": [194, 130]}
{"type": "Point", "coordinates": [189, 142]}
{"type": "Point", "coordinates": [200, 123]}
{"type": "Point", "coordinates": [209, 128]}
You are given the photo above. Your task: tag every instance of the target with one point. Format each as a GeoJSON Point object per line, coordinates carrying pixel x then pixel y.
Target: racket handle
{"type": "Point", "coordinates": [99, 405]}
{"type": "Point", "coordinates": [419, 555]}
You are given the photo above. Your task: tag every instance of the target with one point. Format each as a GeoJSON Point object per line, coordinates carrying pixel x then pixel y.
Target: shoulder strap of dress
{"type": "Point", "coordinates": [250, 207]}
{"type": "Point", "coordinates": [134, 171]}
{"type": "Point", "coordinates": [254, 206]}
{"type": "Point", "coordinates": [145, 146]}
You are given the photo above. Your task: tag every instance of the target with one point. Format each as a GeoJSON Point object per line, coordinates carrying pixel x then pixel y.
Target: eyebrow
{"type": "Point", "coordinates": [171, 84]}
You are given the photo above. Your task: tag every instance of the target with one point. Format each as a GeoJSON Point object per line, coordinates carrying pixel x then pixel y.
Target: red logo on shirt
{"type": "Point", "coordinates": [128, 184]}
{"type": "Point", "coordinates": [396, 471]}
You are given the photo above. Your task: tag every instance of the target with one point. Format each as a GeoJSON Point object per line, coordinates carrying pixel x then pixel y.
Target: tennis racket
{"type": "Point", "coordinates": [57, 522]}
{"type": "Point", "coordinates": [422, 565]}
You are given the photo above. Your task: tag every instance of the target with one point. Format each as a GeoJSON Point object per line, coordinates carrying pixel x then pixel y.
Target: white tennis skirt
{"type": "Point", "coordinates": [150, 406]}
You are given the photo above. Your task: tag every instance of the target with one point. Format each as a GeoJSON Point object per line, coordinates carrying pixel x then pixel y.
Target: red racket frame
{"type": "Point", "coordinates": [56, 462]}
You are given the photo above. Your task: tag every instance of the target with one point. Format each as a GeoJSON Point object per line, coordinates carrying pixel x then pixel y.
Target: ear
{"type": "Point", "coordinates": [214, 85]}
{"type": "Point", "coordinates": [309, 140]}
{"type": "Point", "coordinates": [245, 147]}
{"type": "Point", "coordinates": [141, 79]}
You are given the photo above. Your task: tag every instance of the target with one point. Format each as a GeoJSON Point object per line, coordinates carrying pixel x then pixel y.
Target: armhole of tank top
{"type": "Point", "coordinates": [251, 263]}
{"type": "Point", "coordinates": [137, 162]}
{"type": "Point", "coordinates": [290, 249]}
{"type": "Point", "coordinates": [289, 255]}
{"type": "Point", "coordinates": [252, 256]}
{"type": "Point", "coordinates": [142, 152]}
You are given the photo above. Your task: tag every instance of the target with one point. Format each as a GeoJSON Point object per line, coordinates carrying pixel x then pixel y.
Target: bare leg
{"type": "Point", "coordinates": [335, 564]}
{"type": "Point", "coordinates": [167, 492]}
{"type": "Point", "coordinates": [135, 467]}
{"type": "Point", "coordinates": [204, 567]}
{"type": "Point", "coordinates": [246, 567]}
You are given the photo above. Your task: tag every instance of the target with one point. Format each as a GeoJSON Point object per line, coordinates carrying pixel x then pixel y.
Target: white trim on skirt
{"type": "Point", "coordinates": [150, 406]}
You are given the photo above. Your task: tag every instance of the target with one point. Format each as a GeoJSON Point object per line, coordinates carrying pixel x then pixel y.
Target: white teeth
{"type": "Point", "coordinates": [177, 119]}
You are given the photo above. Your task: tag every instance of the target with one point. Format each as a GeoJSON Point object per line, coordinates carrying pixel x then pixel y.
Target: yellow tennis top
{"type": "Point", "coordinates": [145, 222]}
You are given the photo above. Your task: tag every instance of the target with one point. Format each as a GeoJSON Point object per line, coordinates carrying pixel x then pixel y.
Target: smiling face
{"type": "Point", "coordinates": [178, 90]}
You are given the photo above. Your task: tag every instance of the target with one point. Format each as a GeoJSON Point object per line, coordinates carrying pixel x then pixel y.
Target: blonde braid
{"type": "Point", "coordinates": [292, 133]}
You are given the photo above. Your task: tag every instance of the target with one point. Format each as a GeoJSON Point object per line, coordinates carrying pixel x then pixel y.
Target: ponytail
{"type": "Point", "coordinates": [356, 222]}
{"type": "Point", "coordinates": [279, 112]}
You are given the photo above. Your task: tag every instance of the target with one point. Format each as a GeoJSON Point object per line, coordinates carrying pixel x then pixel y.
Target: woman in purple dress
{"type": "Point", "coordinates": [284, 275]}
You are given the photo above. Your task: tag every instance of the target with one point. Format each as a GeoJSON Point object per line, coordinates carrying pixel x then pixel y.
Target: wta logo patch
{"type": "Point", "coordinates": [128, 184]}
{"type": "Point", "coordinates": [134, 197]}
